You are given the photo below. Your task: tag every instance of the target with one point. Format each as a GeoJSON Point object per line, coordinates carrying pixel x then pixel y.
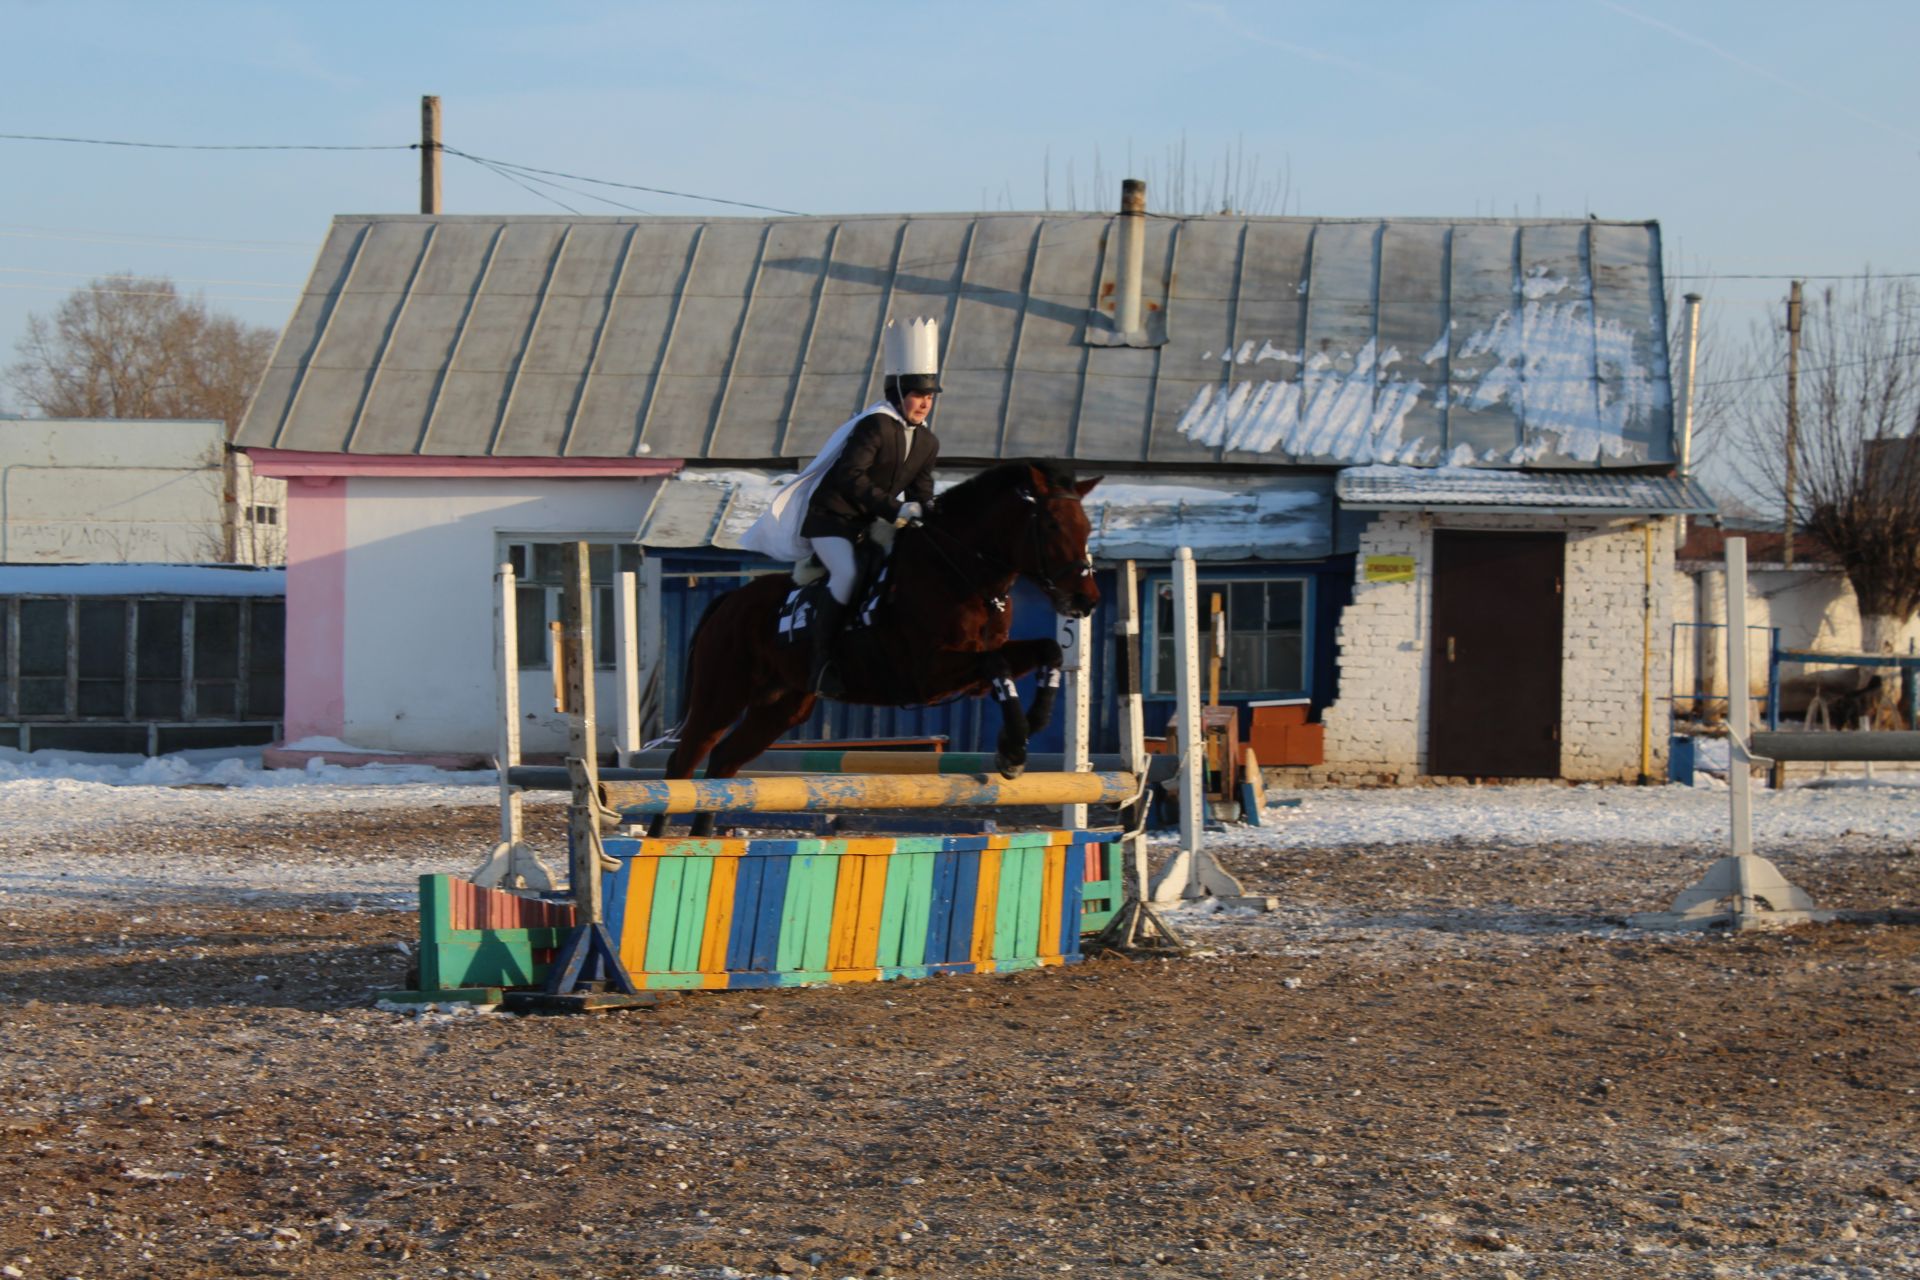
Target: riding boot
{"type": "Point", "coordinates": [821, 677]}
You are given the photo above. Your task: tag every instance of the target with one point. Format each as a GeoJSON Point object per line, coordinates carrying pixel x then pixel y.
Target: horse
{"type": "Point", "coordinates": [939, 632]}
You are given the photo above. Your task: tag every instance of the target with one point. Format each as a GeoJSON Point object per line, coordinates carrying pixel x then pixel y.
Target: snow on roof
{"type": "Point", "coordinates": [1387, 488]}
{"type": "Point", "coordinates": [1272, 518]}
{"type": "Point", "coordinates": [140, 580]}
{"type": "Point", "coordinates": [1323, 341]}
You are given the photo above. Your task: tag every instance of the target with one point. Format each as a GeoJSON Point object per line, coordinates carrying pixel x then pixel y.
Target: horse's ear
{"type": "Point", "coordinates": [1085, 487]}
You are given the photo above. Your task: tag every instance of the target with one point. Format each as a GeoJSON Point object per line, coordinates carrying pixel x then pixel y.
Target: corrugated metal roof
{"type": "Point", "coordinates": [1385, 488]}
{"type": "Point", "coordinates": [1271, 518]}
{"type": "Point", "coordinates": [1494, 343]}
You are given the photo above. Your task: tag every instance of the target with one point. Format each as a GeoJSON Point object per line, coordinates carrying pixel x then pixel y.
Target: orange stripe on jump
{"type": "Point", "coordinates": [714, 936]}
{"type": "Point", "coordinates": [843, 931]}
{"type": "Point", "coordinates": [986, 909]}
{"type": "Point", "coordinates": [633, 929]}
{"type": "Point", "coordinates": [873, 898]}
{"type": "Point", "coordinates": [1053, 882]}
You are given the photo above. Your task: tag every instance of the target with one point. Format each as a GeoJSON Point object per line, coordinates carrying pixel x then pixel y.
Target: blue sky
{"type": "Point", "coordinates": [1769, 138]}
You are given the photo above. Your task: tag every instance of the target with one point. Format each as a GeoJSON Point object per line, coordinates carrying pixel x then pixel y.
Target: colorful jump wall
{"type": "Point", "coordinates": [735, 913]}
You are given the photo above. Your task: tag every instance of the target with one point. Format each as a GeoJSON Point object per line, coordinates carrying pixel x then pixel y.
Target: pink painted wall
{"type": "Point", "coordinates": [316, 606]}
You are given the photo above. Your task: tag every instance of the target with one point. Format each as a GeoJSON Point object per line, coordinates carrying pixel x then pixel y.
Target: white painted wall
{"type": "Point", "coordinates": [1377, 730]}
{"type": "Point", "coordinates": [90, 491]}
{"type": "Point", "coordinates": [421, 554]}
{"type": "Point", "coordinates": [1814, 607]}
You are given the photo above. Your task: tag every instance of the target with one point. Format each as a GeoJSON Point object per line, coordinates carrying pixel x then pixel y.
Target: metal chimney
{"type": "Point", "coordinates": [1133, 247]}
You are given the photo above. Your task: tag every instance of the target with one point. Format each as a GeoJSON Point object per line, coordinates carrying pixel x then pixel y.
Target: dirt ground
{"type": "Point", "coordinates": [1435, 1060]}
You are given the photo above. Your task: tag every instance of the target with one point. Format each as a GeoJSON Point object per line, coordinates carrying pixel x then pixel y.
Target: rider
{"type": "Point", "coordinates": [884, 471]}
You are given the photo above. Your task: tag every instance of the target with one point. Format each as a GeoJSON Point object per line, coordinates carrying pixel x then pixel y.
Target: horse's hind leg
{"type": "Point", "coordinates": [757, 730]}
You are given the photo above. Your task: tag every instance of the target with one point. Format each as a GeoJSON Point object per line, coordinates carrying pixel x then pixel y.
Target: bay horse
{"type": "Point", "coordinates": [940, 632]}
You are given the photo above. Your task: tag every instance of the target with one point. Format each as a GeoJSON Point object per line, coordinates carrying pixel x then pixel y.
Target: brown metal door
{"type": "Point", "coordinates": [1496, 655]}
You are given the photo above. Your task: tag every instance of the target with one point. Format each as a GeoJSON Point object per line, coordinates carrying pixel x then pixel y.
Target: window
{"type": "Point", "coordinates": [539, 571]}
{"type": "Point", "coordinates": [100, 658]}
{"type": "Point", "coordinates": [1266, 634]}
{"type": "Point", "coordinates": [263, 515]}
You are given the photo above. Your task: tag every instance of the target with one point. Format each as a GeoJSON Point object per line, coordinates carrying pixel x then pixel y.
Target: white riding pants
{"type": "Point", "coordinates": [836, 556]}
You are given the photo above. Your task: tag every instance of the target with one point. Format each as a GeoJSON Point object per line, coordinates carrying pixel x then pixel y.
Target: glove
{"type": "Point", "coordinates": [909, 513]}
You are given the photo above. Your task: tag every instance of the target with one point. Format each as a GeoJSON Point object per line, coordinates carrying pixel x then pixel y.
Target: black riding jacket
{"type": "Point", "coordinates": [875, 464]}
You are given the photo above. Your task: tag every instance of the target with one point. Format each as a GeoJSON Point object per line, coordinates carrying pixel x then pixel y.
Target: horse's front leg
{"type": "Point", "coordinates": [1000, 668]}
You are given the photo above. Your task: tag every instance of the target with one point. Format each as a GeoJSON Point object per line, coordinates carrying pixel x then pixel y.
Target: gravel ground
{"type": "Point", "coordinates": [1442, 1058]}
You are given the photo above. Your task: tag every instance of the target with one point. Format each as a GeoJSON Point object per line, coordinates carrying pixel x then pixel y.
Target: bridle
{"type": "Point", "coordinates": [1038, 529]}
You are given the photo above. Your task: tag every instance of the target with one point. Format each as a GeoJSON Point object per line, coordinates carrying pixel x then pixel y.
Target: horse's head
{"type": "Point", "coordinates": [1052, 551]}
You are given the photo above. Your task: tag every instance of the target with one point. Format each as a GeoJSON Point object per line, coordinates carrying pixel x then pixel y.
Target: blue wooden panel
{"type": "Point", "coordinates": [1071, 896]}
{"type": "Point", "coordinates": [613, 899]}
{"type": "Point", "coordinates": [946, 867]}
{"type": "Point", "coordinates": [966, 894]}
{"type": "Point", "coordinates": [764, 951]}
{"type": "Point", "coordinates": [747, 884]}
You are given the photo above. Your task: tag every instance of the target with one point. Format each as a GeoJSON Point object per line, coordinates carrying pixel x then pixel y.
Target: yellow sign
{"type": "Point", "coordinates": [1387, 569]}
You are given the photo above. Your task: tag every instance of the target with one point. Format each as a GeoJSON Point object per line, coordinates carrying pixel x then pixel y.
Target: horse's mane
{"type": "Point", "coordinates": [977, 496]}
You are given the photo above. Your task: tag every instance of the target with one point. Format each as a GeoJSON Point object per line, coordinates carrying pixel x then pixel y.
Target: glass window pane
{"type": "Point", "coordinates": [103, 697]}
{"type": "Point", "coordinates": [103, 639]}
{"type": "Point", "coordinates": [517, 557]}
{"type": "Point", "coordinates": [267, 638]}
{"type": "Point", "coordinates": [1243, 609]}
{"type": "Point", "coordinates": [216, 640]}
{"type": "Point", "coordinates": [603, 627]}
{"type": "Point", "coordinates": [1163, 667]}
{"type": "Point", "coordinates": [629, 558]}
{"type": "Point", "coordinates": [547, 564]}
{"type": "Point", "coordinates": [1242, 670]}
{"type": "Point", "coordinates": [530, 627]}
{"type": "Point", "coordinates": [213, 700]}
{"type": "Point", "coordinates": [43, 696]}
{"type": "Point", "coordinates": [1285, 670]}
{"type": "Point", "coordinates": [43, 638]}
{"type": "Point", "coordinates": [599, 562]}
{"type": "Point", "coordinates": [1163, 609]}
{"type": "Point", "coordinates": [157, 647]}
{"type": "Point", "coordinates": [1286, 604]}
{"type": "Point", "coordinates": [157, 700]}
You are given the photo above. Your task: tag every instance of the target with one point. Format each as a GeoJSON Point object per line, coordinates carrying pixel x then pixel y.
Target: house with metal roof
{"type": "Point", "coordinates": [1429, 467]}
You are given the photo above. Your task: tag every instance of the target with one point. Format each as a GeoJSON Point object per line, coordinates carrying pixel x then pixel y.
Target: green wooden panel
{"type": "Point", "coordinates": [664, 914]}
{"type": "Point", "coordinates": [1033, 895]}
{"type": "Point", "coordinates": [810, 875]}
{"type": "Point", "coordinates": [1010, 904]}
{"type": "Point", "coordinates": [436, 926]}
{"type": "Point", "coordinates": [917, 910]}
{"type": "Point", "coordinates": [696, 880]}
{"type": "Point", "coordinates": [892, 904]}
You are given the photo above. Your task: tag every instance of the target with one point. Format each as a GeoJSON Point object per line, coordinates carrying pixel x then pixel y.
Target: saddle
{"type": "Point", "coordinates": [801, 607]}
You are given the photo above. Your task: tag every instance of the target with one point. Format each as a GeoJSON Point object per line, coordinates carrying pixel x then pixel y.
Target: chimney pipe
{"type": "Point", "coordinates": [1686, 404]}
{"type": "Point", "coordinates": [1133, 247]}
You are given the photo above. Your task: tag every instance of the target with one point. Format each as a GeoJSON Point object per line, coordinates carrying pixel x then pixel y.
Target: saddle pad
{"type": "Point", "coordinates": [797, 613]}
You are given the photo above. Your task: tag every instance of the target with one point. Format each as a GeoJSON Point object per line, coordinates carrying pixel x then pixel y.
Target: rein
{"type": "Point", "coordinates": [1035, 536]}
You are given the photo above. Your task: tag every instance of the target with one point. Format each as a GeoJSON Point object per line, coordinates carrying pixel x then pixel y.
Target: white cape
{"type": "Point", "coordinates": [777, 532]}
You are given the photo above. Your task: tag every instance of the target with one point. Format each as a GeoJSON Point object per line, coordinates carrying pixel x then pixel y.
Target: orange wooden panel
{"type": "Point", "coordinates": [986, 908]}
{"type": "Point", "coordinates": [1053, 886]}
{"type": "Point", "coordinates": [844, 927]}
{"type": "Point", "coordinates": [873, 898]}
{"type": "Point", "coordinates": [633, 930]}
{"type": "Point", "coordinates": [714, 936]}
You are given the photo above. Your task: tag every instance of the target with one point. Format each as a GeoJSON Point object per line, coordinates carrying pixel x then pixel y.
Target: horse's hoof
{"type": "Point", "coordinates": [1009, 769]}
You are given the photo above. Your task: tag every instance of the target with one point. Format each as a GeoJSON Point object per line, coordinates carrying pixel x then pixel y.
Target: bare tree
{"type": "Point", "coordinates": [1857, 472]}
{"type": "Point", "coordinates": [129, 346]}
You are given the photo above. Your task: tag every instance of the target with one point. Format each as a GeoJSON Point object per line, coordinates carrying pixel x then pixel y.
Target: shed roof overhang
{"type": "Point", "coordinates": [1278, 518]}
{"type": "Point", "coordinates": [1457, 489]}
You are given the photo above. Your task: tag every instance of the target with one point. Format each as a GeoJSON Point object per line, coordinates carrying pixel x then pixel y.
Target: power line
{"type": "Point", "coordinates": [208, 146]}
{"type": "Point", "coordinates": [1804, 275]}
{"type": "Point", "coordinates": [138, 293]}
{"type": "Point", "coordinates": [628, 186]}
{"type": "Point", "coordinates": [18, 231]}
{"type": "Point", "coordinates": [98, 275]}
{"type": "Point", "coordinates": [1895, 354]}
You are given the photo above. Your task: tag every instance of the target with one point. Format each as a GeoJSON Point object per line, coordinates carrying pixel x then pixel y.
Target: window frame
{"type": "Point", "coordinates": [1222, 579]}
{"type": "Point", "coordinates": [518, 549]}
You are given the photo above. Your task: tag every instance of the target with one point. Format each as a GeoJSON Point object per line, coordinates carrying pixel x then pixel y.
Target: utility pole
{"type": "Point", "coordinates": [1793, 419]}
{"type": "Point", "coordinates": [430, 154]}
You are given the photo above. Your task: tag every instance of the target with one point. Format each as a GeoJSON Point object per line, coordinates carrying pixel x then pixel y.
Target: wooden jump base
{"type": "Point", "coordinates": [809, 792]}
{"type": "Point", "coordinates": [737, 914]}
